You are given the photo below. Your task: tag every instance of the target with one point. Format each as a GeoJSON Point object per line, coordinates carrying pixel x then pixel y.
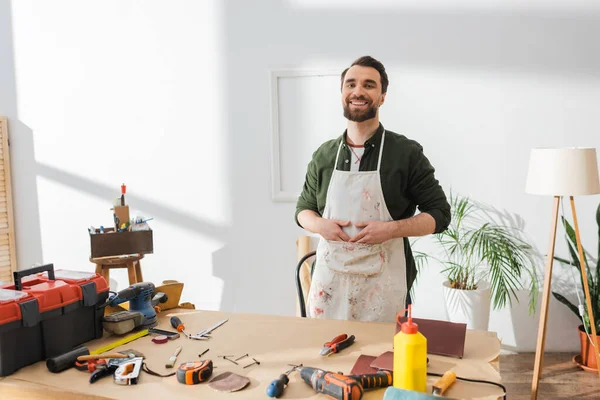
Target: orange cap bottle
{"type": "Point", "coordinates": [410, 356]}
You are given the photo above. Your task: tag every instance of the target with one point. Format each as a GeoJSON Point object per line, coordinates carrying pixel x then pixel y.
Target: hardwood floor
{"type": "Point", "coordinates": [561, 379]}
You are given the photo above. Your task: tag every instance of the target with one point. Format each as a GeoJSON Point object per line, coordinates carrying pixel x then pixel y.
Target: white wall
{"type": "Point", "coordinates": [173, 100]}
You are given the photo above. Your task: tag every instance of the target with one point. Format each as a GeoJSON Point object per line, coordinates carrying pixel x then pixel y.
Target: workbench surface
{"type": "Point", "coordinates": [272, 340]}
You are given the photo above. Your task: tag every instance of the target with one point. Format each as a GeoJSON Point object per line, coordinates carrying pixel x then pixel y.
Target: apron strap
{"type": "Point", "coordinates": [338, 154]}
{"type": "Point", "coordinates": [381, 150]}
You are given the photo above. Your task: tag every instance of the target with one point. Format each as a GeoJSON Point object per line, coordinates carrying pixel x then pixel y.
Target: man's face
{"type": "Point", "coordinates": [361, 93]}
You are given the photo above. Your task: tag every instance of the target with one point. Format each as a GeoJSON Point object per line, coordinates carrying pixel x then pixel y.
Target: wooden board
{"type": "Point", "coordinates": [7, 222]}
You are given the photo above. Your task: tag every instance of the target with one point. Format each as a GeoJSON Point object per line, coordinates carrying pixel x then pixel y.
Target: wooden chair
{"type": "Point", "coordinates": [129, 261]}
{"type": "Point", "coordinates": [302, 292]}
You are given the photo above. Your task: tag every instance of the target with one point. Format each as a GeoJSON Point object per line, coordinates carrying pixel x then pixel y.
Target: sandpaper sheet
{"type": "Point", "coordinates": [363, 365]}
{"type": "Point", "coordinates": [443, 338]}
{"type": "Point", "coordinates": [229, 382]}
{"type": "Point", "coordinates": [386, 362]}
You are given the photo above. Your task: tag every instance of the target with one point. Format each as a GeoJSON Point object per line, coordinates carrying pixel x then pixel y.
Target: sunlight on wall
{"type": "Point", "coordinates": [126, 92]}
{"type": "Point", "coordinates": [456, 5]}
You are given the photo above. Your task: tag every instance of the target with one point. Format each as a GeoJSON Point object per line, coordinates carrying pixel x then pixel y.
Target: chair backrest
{"type": "Point", "coordinates": [301, 301]}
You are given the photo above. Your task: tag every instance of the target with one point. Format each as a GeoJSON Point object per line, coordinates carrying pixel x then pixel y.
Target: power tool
{"type": "Point", "coordinates": [142, 300]}
{"type": "Point", "coordinates": [343, 387]}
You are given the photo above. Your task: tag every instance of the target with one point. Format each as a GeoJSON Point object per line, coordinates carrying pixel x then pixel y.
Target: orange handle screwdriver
{"type": "Point", "coordinates": [177, 324]}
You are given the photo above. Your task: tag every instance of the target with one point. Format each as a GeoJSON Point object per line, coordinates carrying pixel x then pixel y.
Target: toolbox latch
{"type": "Point", "coordinates": [30, 313]}
{"type": "Point", "coordinates": [90, 296]}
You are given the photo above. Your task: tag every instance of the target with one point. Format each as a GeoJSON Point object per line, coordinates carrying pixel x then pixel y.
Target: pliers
{"type": "Point", "coordinates": [338, 343]}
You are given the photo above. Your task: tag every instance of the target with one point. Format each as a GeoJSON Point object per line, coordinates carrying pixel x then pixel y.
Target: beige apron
{"type": "Point", "coordinates": [354, 281]}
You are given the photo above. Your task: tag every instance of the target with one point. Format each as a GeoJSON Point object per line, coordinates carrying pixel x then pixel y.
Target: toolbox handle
{"type": "Point", "coordinates": [18, 275]}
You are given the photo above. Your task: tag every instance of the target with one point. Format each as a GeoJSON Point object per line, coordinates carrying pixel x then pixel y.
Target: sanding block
{"type": "Point", "coordinates": [122, 322]}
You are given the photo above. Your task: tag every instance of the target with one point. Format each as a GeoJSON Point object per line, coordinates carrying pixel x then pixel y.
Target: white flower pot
{"type": "Point", "coordinates": [471, 307]}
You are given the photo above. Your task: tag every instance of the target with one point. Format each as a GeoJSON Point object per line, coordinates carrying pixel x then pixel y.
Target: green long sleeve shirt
{"type": "Point", "coordinates": [407, 179]}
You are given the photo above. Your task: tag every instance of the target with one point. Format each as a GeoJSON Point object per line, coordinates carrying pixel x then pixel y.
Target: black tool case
{"type": "Point", "coordinates": [20, 331]}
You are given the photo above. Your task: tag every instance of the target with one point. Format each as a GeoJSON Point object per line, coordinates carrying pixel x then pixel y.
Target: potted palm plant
{"type": "Point", "coordinates": [587, 357]}
{"type": "Point", "coordinates": [485, 263]}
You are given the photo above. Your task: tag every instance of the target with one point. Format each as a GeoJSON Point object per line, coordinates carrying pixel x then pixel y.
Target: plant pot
{"type": "Point", "coordinates": [588, 356]}
{"type": "Point", "coordinates": [471, 307]}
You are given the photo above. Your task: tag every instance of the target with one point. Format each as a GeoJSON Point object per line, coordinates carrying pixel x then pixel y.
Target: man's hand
{"type": "Point", "coordinates": [331, 229]}
{"type": "Point", "coordinates": [374, 232]}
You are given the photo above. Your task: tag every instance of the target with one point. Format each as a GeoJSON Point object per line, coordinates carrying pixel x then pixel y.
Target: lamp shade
{"type": "Point", "coordinates": [563, 172]}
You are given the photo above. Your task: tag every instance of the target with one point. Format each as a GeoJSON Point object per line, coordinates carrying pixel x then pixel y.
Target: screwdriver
{"type": "Point", "coordinates": [275, 389]}
{"type": "Point", "coordinates": [177, 324]}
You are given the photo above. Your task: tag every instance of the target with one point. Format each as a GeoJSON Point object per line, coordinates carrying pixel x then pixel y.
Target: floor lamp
{"type": "Point", "coordinates": [561, 172]}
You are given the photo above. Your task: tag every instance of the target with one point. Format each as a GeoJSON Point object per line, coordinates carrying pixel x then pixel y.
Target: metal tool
{"type": "Point", "coordinates": [192, 373]}
{"type": "Point", "coordinates": [177, 324]}
{"type": "Point", "coordinates": [108, 368]}
{"type": "Point", "coordinates": [205, 334]}
{"type": "Point", "coordinates": [128, 372]}
{"type": "Point", "coordinates": [255, 362]}
{"type": "Point", "coordinates": [203, 353]}
{"type": "Point", "coordinates": [338, 343]}
{"type": "Point", "coordinates": [276, 388]}
{"type": "Point", "coordinates": [173, 358]}
{"type": "Point", "coordinates": [170, 334]}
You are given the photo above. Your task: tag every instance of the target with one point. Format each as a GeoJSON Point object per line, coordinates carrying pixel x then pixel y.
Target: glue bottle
{"type": "Point", "coordinates": [410, 357]}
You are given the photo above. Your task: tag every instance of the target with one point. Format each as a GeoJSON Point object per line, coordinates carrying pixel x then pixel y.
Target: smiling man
{"type": "Point", "coordinates": [360, 195]}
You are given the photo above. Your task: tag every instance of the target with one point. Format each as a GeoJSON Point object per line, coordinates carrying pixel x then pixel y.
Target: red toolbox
{"type": "Point", "coordinates": [93, 292]}
{"type": "Point", "coordinates": [20, 331]}
{"type": "Point", "coordinates": [68, 307]}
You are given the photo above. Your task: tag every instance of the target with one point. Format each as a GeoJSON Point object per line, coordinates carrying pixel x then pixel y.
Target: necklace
{"type": "Point", "coordinates": [356, 155]}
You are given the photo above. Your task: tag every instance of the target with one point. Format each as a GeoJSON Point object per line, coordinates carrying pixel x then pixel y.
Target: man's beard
{"type": "Point", "coordinates": [360, 116]}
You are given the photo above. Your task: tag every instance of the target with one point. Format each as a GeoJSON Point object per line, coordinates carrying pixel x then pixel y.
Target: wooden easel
{"type": "Point", "coordinates": [541, 340]}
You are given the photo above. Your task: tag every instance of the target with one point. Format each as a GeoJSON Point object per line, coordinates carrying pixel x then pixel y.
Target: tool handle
{"type": "Point", "coordinates": [66, 360]}
{"type": "Point", "coordinates": [442, 384]}
{"type": "Point", "coordinates": [338, 386]}
{"type": "Point", "coordinates": [100, 356]}
{"type": "Point", "coordinates": [275, 389]}
{"type": "Point", "coordinates": [101, 373]}
{"type": "Point", "coordinates": [337, 339]}
{"type": "Point", "coordinates": [345, 343]}
{"type": "Point", "coordinates": [371, 381]}
{"type": "Point", "coordinates": [177, 324]}
{"type": "Point", "coordinates": [19, 275]}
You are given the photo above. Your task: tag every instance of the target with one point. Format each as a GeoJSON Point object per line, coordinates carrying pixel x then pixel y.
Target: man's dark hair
{"type": "Point", "coordinates": [368, 61]}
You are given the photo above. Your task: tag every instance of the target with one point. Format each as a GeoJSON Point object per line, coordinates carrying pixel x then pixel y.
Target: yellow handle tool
{"type": "Point", "coordinates": [444, 383]}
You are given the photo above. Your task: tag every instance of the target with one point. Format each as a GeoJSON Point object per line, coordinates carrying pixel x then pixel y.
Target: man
{"type": "Point", "coordinates": [360, 195]}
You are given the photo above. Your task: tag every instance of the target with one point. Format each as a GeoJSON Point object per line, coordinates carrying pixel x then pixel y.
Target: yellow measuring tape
{"type": "Point", "coordinates": [118, 343]}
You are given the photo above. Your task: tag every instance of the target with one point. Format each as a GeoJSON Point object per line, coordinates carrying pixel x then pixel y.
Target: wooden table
{"type": "Point", "coordinates": [274, 341]}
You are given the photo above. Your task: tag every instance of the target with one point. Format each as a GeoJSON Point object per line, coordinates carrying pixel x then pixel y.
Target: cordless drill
{"type": "Point", "coordinates": [343, 387]}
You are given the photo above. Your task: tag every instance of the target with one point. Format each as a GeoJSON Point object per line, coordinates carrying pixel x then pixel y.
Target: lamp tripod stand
{"type": "Point", "coordinates": [541, 340]}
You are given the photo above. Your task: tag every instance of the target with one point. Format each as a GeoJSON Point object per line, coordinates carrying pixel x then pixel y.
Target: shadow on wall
{"type": "Point", "coordinates": [27, 169]}
{"type": "Point", "coordinates": [222, 267]}
{"type": "Point", "coordinates": [25, 193]}
{"type": "Point", "coordinates": [525, 325]}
